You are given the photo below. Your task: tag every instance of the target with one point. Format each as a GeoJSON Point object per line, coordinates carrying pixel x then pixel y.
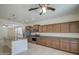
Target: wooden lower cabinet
{"type": "Point", "coordinates": [70, 45]}
{"type": "Point", "coordinates": [56, 43]}
{"type": "Point", "coordinates": [49, 42]}
{"type": "Point", "coordinates": [74, 46]}
{"type": "Point", "coordinates": [41, 41]}
{"type": "Point", "coordinates": [29, 39]}
{"type": "Point", "coordinates": [65, 44]}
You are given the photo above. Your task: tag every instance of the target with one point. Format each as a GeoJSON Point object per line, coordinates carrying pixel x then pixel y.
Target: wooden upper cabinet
{"type": "Point", "coordinates": [65, 27]}
{"type": "Point", "coordinates": [44, 27]}
{"type": "Point", "coordinates": [74, 27]}
{"type": "Point", "coordinates": [50, 28]}
{"type": "Point", "coordinates": [56, 27]}
{"type": "Point", "coordinates": [36, 28]}
{"type": "Point", "coordinates": [40, 28]}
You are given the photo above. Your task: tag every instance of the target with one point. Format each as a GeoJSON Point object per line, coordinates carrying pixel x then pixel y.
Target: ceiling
{"type": "Point", "coordinates": [23, 16]}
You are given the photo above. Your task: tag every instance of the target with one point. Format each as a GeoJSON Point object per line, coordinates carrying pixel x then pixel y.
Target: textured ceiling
{"type": "Point", "coordinates": [22, 15]}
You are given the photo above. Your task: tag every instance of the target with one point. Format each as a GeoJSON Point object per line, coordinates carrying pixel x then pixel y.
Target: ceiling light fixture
{"type": "Point", "coordinates": [43, 7]}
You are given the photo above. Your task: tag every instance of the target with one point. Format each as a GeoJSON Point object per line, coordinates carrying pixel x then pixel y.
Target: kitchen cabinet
{"type": "Point", "coordinates": [45, 41]}
{"type": "Point", "coordinates": [49, 42]}
{"type": "Point", "coordinates": [56, 27]}
{"type": "Point", "coordinates": [50, 28]}
{"type": "Point", "coordinates": [44, 27]}
{"type": "Point", "coordinates": [74, 27]}
{"type": "Point", "coordinates": [40, 28]}
{"type": "Point", "coordinates": [29, 39]}
{"type": "Point", "coordinates": [74, 46]}
{"type": "Point", "coordinates": [56, 43]}
{"type": "Point", "coordinates": [65, 44]}
{"type": "Point", "coordinates": [36, 28]}
{"type": "Point", "coordinates": [43, 30]}
{"type": "Point", "coordinates": [65, 27]}
{"type": "Point", "coordinates": [41, 41]}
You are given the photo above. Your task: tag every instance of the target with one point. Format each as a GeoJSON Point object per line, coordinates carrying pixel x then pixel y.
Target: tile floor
{"type": "Point", "coordinates": [42, 50]}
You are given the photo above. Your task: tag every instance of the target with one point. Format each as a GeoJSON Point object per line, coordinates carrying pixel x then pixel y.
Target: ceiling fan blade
{"type": "Point", "coordinates": [41, 13]}
{"type": "Point", "coordinates": [33, 8]}
{"type": "Point", "coordinates": [50, 8]}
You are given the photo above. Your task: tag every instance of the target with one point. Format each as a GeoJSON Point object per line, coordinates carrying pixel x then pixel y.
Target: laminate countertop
{"type": "Point", "coordinates": [58, 35]}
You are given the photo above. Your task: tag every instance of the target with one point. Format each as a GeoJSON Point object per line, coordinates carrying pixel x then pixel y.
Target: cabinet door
{"type": "Point", "coordinates": [44, 28]}
{"type": "Point", "coordinates": [29, 39]}
{"type": "Point", "coordinates": [49, 42]}
{"type": "Point", "coordinates": [65, 44]}
{"type": "Point", "coordinates": [36, 28]}
{"type": "Point", "coordinates": [65, 27]}
{"type": "Point", "coordinates": [41, 41]}
{"type": "Point", "coordinates": [56, 43]}
{"type": "Point", "coordinates": [74, 46]}
{"type": "Point", "coordinates": [50, 28]}
{"type": "Point", "coordinates": [56, 27]}
{"type": "Point", "coordinates": [74, 27]}
{"type": "Point", "coordinates": [38, 41]}
{"type": "Point", "coordinates": [40, 28]}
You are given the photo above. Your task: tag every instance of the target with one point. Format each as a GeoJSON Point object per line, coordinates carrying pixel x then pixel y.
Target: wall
{"type": "Point", "coordinates": [68, 18]}
{"type": "Point", "coordinates": [3, 35]}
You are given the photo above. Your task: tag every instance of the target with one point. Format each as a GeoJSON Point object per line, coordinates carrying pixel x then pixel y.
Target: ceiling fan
{"type": "Point", "coordinates": [43, 7]}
